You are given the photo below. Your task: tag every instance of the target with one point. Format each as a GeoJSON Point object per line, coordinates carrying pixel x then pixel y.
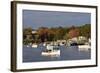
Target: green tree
{"type": "Point", "coordinates": [85, 30]}
{"type": "Point", "coordinates": [27, 35]}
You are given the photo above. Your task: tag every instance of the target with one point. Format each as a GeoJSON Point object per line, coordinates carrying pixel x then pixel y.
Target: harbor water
{"type": "Point", "coordinates": [66, 53]}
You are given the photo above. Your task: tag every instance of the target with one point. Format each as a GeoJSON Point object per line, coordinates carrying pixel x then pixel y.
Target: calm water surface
{"type": "Point", "coordinates": [66, 53]}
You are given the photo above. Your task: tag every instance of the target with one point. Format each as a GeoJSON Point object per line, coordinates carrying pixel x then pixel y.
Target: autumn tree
{"type": "Point", "coordinates": [43, 33]}
{"type": "Point", "coordinates": [73, 32]}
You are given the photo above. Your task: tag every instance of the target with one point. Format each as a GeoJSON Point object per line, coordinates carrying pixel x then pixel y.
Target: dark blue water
{"type": "Point", "coordinates": [66, 53]}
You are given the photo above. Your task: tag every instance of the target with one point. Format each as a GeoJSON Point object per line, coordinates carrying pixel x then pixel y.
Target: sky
{"type": "Point", "coordinates": [36, 19]}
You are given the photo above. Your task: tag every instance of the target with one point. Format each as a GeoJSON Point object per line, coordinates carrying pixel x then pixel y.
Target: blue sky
{"type": "Point", "coordinates": [36, 19]}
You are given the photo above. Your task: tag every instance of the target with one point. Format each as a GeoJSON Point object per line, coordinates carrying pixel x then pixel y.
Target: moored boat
{"type": "Point", "coordinates": [34, 45]}
{"type": "Point", "coordinates": [27, 46]}
{"type": "Point", "coordinates": [51, 50]}
{"type": "Point", "coordinates": [84, 47]}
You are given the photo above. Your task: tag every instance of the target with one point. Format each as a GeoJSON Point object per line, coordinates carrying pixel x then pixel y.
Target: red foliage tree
{"type": "Point", "coordinates": [73, 32]}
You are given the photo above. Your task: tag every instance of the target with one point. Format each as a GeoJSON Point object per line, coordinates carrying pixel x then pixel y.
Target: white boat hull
{"type": "Point", "coordinates": [51, 53]}
{"type": "Point", "coordinates": [84, 47]}
{"type": "Point", "coordinates": [34, 45]}
{"type": "Point", "coordinates": [28, 46]}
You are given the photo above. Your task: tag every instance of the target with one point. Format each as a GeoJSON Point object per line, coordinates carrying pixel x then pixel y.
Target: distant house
{"type": "Point", "coordinates": [34, 32]}
{"type": "Point", "coordinates": [75, 39]}
{"type": "Point", "coordinates": [82, 38]}
{"type": "Point", "coordinates": [30, 35]}
{"type": "Point", "coordinates": [79, 40]}
{"type": "Point", "coordinates": [34, 36]}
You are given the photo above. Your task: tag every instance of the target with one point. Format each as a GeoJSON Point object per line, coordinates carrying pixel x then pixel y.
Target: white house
{"type": "Point", "coordinates": [34, 31]}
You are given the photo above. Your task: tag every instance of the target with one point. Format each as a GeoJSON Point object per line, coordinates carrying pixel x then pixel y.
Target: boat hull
{"type": "Point", "coordinates": [34, 45]}
{"type": "Point", "coordinates": [51, 53]}
{"type": "Point", "coordinates": [84, 47]}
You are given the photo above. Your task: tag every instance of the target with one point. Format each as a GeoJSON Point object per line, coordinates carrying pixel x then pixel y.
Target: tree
{"type": "Point", "coordinates": [27, 35]}
{"type": "Point", "coordinates": [85, 30]}
{"type": "Point", "coordinates": [27, 31]}
{"type": "Point", "coordinates": [51, 35]}
{"type": "Point", "coordinates": [43, 33]}
{"type": "Point", "coordinates": [73, 32]}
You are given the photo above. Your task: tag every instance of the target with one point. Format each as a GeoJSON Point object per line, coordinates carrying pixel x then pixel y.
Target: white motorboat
{"type": "Point", "coordinates": [84, 47]}
{"type": "Point", "coordinates": [27, 46]}
{"type": "Point", "coordinates": [54, 52]}
{"type": "Point", "coordinates": [51, 50]}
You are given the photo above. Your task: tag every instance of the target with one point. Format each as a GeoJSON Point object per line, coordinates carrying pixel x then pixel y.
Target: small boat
{"type": "Point", "coordinates": [49, 47]}
{"type": "Point", "coordinates": [27, 46]}
{"type": "Point", "coordinates": [44, 44]}
{"type": "Point", "coordinates": [34, 45]}
{"type": "Point", "coordinates": [84, 47]}
{"type": "Point", "coordinates": [74, 44]}
{"type": "Point", "coordinates": [51, 50]}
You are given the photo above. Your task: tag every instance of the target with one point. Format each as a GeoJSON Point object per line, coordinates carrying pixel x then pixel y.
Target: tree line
{"type": "Point", "coordinates": [45, 34]}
